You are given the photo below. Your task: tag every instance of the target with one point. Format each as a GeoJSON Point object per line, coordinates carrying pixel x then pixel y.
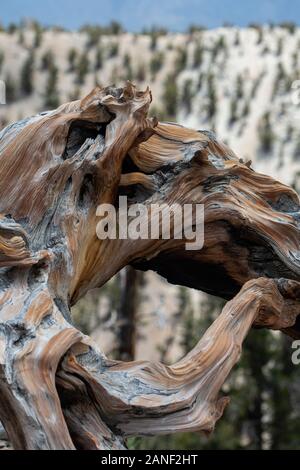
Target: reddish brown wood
{"type": "Point", "coordinates": [58, 391]}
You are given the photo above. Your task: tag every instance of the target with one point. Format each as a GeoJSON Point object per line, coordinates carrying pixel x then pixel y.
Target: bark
{"type": "Point", "coordinates": [58, 391]}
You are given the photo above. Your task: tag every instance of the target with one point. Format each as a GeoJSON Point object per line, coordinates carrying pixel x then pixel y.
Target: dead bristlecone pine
{"type": "Point", "coordinates": [58, 390]}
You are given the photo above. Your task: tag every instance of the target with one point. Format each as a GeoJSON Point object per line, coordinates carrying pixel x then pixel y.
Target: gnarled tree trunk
{"type": "Point", "coordinates": [58, 391]}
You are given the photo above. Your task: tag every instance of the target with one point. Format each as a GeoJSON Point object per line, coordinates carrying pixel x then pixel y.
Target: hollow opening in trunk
{"type": "Point", "coordinates": [79, 132]}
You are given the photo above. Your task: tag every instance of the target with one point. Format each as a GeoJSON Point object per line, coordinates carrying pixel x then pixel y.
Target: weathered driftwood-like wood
{"type": "Point", "coordinates": [58, 391]}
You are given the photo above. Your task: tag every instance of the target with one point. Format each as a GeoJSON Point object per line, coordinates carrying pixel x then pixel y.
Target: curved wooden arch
{"type": "Point", "coordinates": [58, 391]}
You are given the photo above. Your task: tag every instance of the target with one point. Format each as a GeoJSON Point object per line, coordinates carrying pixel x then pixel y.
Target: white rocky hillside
{"type": "Point", "coordinates": [235, 81]}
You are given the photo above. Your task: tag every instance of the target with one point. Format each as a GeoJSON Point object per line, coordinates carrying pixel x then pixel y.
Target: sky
{"type": "Point", "coordinates": [135, 15]}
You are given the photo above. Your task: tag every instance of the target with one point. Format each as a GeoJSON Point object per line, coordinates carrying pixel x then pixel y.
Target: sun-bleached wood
{"type": "Point", "coordinates": [58, 390]}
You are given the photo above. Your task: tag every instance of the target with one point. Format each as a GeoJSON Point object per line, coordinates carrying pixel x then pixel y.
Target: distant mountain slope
{"type": "Point", "coordinates": [235, 81]}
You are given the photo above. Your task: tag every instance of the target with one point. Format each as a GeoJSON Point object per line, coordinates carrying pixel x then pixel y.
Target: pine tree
{"type": "Point", "coordinates": [27, 72]}
{"type": "Point", "coordinates": [181, 60]}
{"type": "Point", "coordinates": [187, 315]}
{"type": "Point", "coordinates": [12, 28]}
{"type": "Point", "coordinates": [51, 93]}
{"type": "Point", "coordinates": [130, 283]}
{"type": "Point", "coordinates": [153, 41]}
{"type": "Point", "coordinates": [82, 68]}
{"type": "Point", "coordinates": [170, 96]}
{"type": "Point", "coordinates": [156, 63]}
{"type": "Point", "coordinates": [10, 89]}
{"type": "Point", "coordinates": [94, 34]}
{"type": "Point", "coordinates": [38, 35]}
{"type": "Point", "coordinates": [237, 40]}
{"type": "Point", "coordinates": [21, 37]}
{"type": "Point", "coordinates": [198, 55]}
{"type": "Point", "coordinates": [115, 28]}
{"type": "Point", "coordinates": [239, 87]}
{"type": "Point", "coordinates": [187, 95]}
{"type": "Point", "coordinates": [113, 50]}
{"type": "Point", "coordinates": [279, 46]}
{"type": "Point", "coordinates": [283, 388]}
{"type": "Point", "coordinates": [211, 96]}
{"type": "Point", "coordinates": [47, 60]}
{"type": "Point", "coordinates": [246, 108]}
{"type": "Point", "coordinates": [141, 73]}
{"type": "Point", "coordinates": [260, 35]}
{"type": "Point", "coordinates": [218, 46]}
{"type": "Point", "coordinates": [290, 26]}
{"type": "Point", "coordinates": [296, 153]}
{"type": "Point", "coordinates": [72, 57]}
{"type": "Point", "coordinates": [98, 58]}
{"type": "Point", "coordinates": [128, 68]}
{"type": "Point", "coordinates": [266, 134]}
{"type": "Point", "coordinates": [1, 60]}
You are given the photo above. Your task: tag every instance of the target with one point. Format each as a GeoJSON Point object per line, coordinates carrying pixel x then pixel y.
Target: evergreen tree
{"type": "Point", "coordinates": [94, 34]}
{"type": "Point", "coordinates": [47, 60]}
{"type": "Point", "coordinates": [279, 46]}
{"type": "Point", "coordinates": [51, 93]}
{"type": "Point", "coordinates": [98, 58]}
{"type": "Point", "coordinates": [12, 28]}
{"type": "Point", "coordinates": [156, 63]}
{"type": "Point", "coordinates": [260, 35]}
{"type": "Point", "coordinates": [38, 35]}
{"type": "Point", "coordinates": [113, 50]}
{"type": "Point", "coordinates": [170, 96]}
{"type": "Point", "coordinates": [21, 37]}
{"type": "Point", "coordinates": [211, 96]}
{"type": "Point", "coordinates": [188, 319]}
{"type": "Point", "coordinates": [27, 71]}
{"type": "Point", "coordinates": [127, 67]}
{"type": "Point", "coordinates": [72, 57]}
{"type": "Point", "coordinates": [198, 55]}
{"type": "Point", "coordinates": [82, 68]}
{"type": "Point", "coordinates": [237, 40]}
{"type": "Point", "coordinates": [181, 60]}
{"type": "Point", "coordinates": [239, 87]}
{"type": "Point", "coordinates": [290, 26]}
{"type": "Point", "coordinates": [246, 108]}
{"type": "Point", "coordinates": [10, 89]}
{"type": "Point", "coordinates": [1, 60]}
{"type": "Point", "coordinates": [115, 28]}
{"type": "Point", "coordinates": [217, 47]}
{"type": "Point", "coordinates": [266, 134]}
{"type": "Point", "coordinates": [296, 153]}
{"type": "Point", "coordinates": [187, 95]}
{"type": "Point", "coordinates": [141, 73]}
{"type": "Point", "coordinates": [153, 40]}
{"type": "Point", "coordinates": [159, 113]}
